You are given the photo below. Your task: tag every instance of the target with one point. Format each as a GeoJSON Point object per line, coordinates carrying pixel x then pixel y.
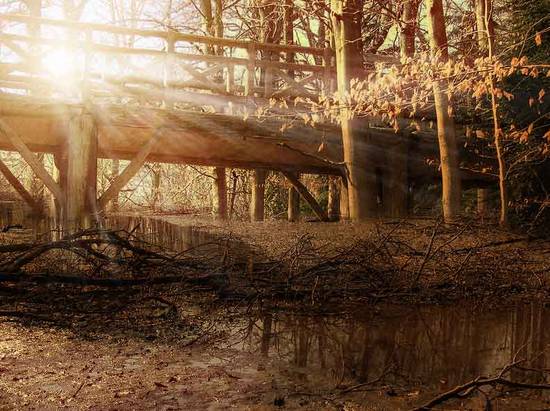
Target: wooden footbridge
{"type": "Point", "coordinates": [85, 91]}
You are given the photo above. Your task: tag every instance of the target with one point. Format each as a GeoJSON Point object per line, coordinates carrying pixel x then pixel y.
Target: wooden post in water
{"type": "Point", "coordinates": [293, 203]}
{"type": "Point", "coordinates": [81, 173]}
{"type": "Point", "coordinates": [257, 201]}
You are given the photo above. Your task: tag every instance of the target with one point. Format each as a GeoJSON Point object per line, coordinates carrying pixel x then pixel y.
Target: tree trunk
{"type": "Point", "coordinates": [446, 132]}
{"type": "Point", "coordinates": [408, 25]}
{"type": "Point", "coordinates": [358, 156]}
{"type": "Point", "coordinates": [485, 35]}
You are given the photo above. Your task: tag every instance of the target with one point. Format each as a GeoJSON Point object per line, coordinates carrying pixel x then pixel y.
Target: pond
{"type": "Point", "coordinates": [429, 346]}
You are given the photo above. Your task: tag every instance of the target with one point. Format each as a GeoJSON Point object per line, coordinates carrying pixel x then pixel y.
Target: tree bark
{"type": "Point", "coordinates": [358, 156]}
{"type": "Point", "coordinates": [407, 28]}
{"type": "Point", "coordinates": [446, 132]}
{"type": "Point", "coordinates": [485, 35]}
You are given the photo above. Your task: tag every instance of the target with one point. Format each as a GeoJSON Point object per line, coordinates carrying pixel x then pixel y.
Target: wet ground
{"type": "Point", "coordinates": [386, 358]}
{"type": "Point", "coordinates": [83, 347]}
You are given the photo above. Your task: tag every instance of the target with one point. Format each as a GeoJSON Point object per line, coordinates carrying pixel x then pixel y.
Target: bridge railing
{"type": "Point", "coordinates": [152, 66]}
{"type": "Point", "coordinates": [98, 62]}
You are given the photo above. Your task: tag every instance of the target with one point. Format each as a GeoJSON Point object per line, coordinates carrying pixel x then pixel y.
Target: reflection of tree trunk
{"type": "Point", "coordinates": [266, 334]}
{"type": "Point", "coordinates": [303, 343]}
{"type": "Point", "coordinates": [446, 133]}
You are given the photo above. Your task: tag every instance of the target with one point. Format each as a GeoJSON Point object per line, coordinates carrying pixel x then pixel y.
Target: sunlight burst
{"type": "Point", "coordinates": [61, 64]}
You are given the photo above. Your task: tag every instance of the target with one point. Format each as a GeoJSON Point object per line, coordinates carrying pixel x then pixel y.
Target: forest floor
{"type": "Point", "coordinates": [420, 259]}
{"type": "Point", "coordinates": [192, 346]}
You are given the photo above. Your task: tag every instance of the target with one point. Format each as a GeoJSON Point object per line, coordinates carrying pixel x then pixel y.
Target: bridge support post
{"type": "Point", "coordinates": [333, 198]}
{"type": "Point", "coordinates": [81, 171]}
{"type": "Point", "coordinates": [344, 199]}
{"type": "Point", "coordinates": [258, 196]}
{"type": "Point", "coordinates": [60, 176]}
{"type": "Point", "coordinates": [293, 206]}
{"type": "Point", "coordinates": [482, 202]}
{"type": "Point", "coordinates": [219, 194]}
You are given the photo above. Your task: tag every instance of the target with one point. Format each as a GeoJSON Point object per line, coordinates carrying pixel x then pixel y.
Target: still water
{"type": "Point", "coordinates": [429, 346]}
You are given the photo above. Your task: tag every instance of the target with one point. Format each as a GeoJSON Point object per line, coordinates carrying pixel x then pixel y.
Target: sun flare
{"type": "Point", "coordinates": [61, 64]}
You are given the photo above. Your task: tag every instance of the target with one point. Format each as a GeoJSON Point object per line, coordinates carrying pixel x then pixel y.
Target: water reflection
{"type": "Point", "coordinates": [17, 218]}
{"type": "Point", "coordinates": [436, 347]}
{"type": "Point", "coordinates": [158, 232]}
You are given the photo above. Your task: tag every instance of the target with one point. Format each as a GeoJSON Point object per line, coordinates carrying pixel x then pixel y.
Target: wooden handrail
{"type": "Point", "coordinates": [168, 53]}
{"type": "Point", "coordinates": [103, 48]}
{"type": "Point", "coordinates": [191, 38]}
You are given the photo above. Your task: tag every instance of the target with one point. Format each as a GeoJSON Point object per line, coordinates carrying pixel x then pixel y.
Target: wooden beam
{"type": "Point", "coordinates": [333, 198]}
{"type": "Point", "coordinates": [306, 195]}
{"type": "Point", "coordinates": [31, 160]}
{"type": "Point", "coordinates": [81, 177]}
{"type": "Point", "coordinates": [21, 190]}
{"type": "Point", "coordinates": [293, 202]}
{"type": "Point", "coordinates": [219, 193]}
{"type": "Point", "coordinates": [164, 34]}
{"type": "Point", "coordinates": [130, 171]}
{"type": "Point", "coordinates": [257, 202]}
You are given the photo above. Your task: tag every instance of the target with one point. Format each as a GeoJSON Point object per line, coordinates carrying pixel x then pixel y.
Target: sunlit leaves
{"type": "Point", "coordinates": [538, 39]}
